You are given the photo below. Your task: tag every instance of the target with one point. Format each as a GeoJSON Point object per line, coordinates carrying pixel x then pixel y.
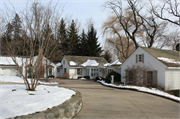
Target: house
{"type": "Point", "coordinates": [114, 66]}
{"type": "Point", "coordinates": [80, 66]}
{"type": "Point", "coordinates": [163, 66]}
{"type": "Point", "coordinates": [9, 68]}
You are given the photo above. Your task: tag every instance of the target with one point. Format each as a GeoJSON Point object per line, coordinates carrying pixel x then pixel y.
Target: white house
{"type": "Point", "coordinates": [114, 66]}
{"type": "Point", "coordinates": [80, 66]}
{"type": "Point", "coordinates": [9, 68]}
{"type": "Point", "coordinates": [164, 65]}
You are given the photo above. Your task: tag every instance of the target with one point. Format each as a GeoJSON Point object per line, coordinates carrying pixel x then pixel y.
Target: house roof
{"type": "Point", "coordinates": [80, 60]}
{"type": "Point", "coordinates": [115, 63]}
{"type": "Point", "coordinates": [8, 61]}
{"type": "Point", "coordinates": [170, 58]}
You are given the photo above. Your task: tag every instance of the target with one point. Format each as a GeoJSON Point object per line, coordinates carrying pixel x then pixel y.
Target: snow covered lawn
{"type": "Point", "coordinates": [16, 101]}
{"type": "Point", "coordinates": [16, 79]}
{"type": "Point", "coordinates": [144, 89]}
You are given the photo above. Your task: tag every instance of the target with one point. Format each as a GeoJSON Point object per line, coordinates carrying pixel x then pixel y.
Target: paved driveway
{"type": "Point", "coordinates": [104, 102]}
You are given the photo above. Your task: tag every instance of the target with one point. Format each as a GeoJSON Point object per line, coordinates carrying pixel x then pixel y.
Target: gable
{"type": "Point", "coordinates": [79, 60]}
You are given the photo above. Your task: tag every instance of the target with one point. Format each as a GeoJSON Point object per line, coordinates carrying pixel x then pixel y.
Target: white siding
{"type": "Point", "coordinates": [172, 79]}
{"type": "Point", "coordinates": [149, 61]}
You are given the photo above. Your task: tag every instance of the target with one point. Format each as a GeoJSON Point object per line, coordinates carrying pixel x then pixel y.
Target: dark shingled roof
{"type": "Point", "coordinates": [170, 54]}
{"type": "Point", "coordinates": [82, 59]}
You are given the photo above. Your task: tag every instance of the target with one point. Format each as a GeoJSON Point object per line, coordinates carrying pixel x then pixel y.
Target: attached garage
{"type": "Point", "coordinates": [172, 78]}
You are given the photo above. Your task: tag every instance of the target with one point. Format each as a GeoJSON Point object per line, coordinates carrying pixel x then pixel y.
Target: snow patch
{"type": "Point", "coordinates": [90, 63]}
{"type": "Point", "coordinates": [168, 60]}
{"type": "Point", "coordinates": [72, 63]}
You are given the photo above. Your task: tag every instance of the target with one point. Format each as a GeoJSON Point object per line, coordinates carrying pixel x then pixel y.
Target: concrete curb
{"type": "Point", "coordinates": [66, 110]}
{"type": "Point", "coordinates": [142, 92]}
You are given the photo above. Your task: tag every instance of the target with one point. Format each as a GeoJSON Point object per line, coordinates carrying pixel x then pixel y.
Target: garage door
{"type": "Point", "coordinates": [172, 79]}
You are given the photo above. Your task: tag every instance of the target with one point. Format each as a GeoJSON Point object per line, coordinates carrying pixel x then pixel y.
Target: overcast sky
{"type": "Point", "coordinates": [77, 9]}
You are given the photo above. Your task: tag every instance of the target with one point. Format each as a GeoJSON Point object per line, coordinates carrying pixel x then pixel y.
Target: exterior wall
{"type": "Point", "coordinates": [65, 65]}
{"type": "Point", "coordinates": [9, 71]}
{"type": "Point", "coordinates": [114, 68]}
{"type": "Point", "coordinates": [172, 79]}
{"type": "Point", "coordinates": [149, 61]}
{"type": "Point", "coordinates": [58, 74]}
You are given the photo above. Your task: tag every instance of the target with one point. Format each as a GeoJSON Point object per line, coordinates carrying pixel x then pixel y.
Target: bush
{"type": "Point", "coordinates": [31, 76]}
{"type": "Point", "coordinates": [50, 76]}
{"type": "Point", "coordinates": [79, 77]}
{"type": "Point", "coordinates": [87, 77]}
{"type": "Point", "coordinates": [117, 77]}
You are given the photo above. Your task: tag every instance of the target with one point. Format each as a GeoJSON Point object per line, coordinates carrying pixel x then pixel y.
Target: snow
{"type": "Point", "coordinates": [144, 89]}
{"type": "Point", "coordinates": [90, 63]}
{"type": "Point", "coordinates": [15, 79]}
{"type": "Point", "coordinates": [107, 64]}
{"type": "Point", "coordinates": [58, 64]}
{"type": "Point", "coordinates": [21, 102]}
{"type": "Point", "coordinates": [117, 62]}
{"type": "Point", "coordinates": [72, 63]}
{"type": "Point", "coordinates": [168, 60]}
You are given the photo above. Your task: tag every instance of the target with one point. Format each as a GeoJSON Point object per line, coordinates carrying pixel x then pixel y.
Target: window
{"type": "Point", "coordinates": [63, 61]}
{"type": "Point", "coordinates": [140, 58]}
{"type": "Point", "coordinates": [152, 77]}
{"type": "Point", "coordinates": [50, 71]}
{"type": "Point", "coordinates": [79, 71]}
{"type": "Point", "coordinates": [58, 70]}
{"type": "Point", "coordinates": [64, 70]}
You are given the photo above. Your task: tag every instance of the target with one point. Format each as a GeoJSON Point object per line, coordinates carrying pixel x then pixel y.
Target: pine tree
{"type": "Point", "coordinates": [83, 44]}
{"type": "Point", "coordinates": [73, 39]}
{"type": "Point", "coordinates": [17, 27]}
{"type": "Point", "coordinates": [62, 37]}
{"type": "Point", "coordinates": [94, 48]}
{"type": "Point", "coordinates": [107, 56]}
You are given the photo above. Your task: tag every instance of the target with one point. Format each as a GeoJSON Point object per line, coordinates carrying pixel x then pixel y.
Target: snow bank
{"type": "Point", "coordinates": [144, 89]}
{"type": "Point", "coordinates": [90, 63]}
{"type": "Point", "coordinates": [23, 102]}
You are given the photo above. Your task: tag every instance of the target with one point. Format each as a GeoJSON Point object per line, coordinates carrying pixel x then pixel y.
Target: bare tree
{"type": "Point", "coordinates": [39, 23]}
{"type": "Point", "coordinates": [116, 41]}
{"type": "Point", "coordinates": [168, 10]}
{"type": "Point", "coordinates": [129, 24]}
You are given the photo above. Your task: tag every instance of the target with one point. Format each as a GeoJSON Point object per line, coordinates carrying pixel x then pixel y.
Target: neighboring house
{"type": "Point", "coordinates": [59, 70]}
{"type": "Point", "coordinates": [114, 66]}
{"type": "Point", "coordinates": [9, 68]}
{"type": "Point", "coordinates": [164, 65]}
{"type": "Point", "coordinates": [80, 66]}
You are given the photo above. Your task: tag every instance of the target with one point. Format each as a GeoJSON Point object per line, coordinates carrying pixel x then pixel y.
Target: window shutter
{"type": "Point", "coordinates": [136, 58]}
{"type": "Point", "coordinates": [144, 77]}
{"type": "Point", "coordinates": [154, 77]}
{"type": "Point", "coordinates": [142, 58]}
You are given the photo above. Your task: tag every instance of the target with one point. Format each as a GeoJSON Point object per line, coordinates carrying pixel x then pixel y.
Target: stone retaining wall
{"type": "Point", "coordinates": [67, 110]}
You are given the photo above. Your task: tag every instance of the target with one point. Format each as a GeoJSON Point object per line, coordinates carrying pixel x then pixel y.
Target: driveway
{"type": "Point", "coordinates": [104, 102]}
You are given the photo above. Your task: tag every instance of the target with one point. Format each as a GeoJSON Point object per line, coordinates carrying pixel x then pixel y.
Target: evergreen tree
{"type": "Point", "coordinates": [62, 37]}
{"type": "Point", "coordinates": [83, 44]}
{"type": "Point", "coordinates": [94, 48]}
{"type": "Point", "coordinates": [107, 56]}
{"type": "Point", "coordinates": [17, 27]}
{"type": "Point", "coordinates": [73, 39]}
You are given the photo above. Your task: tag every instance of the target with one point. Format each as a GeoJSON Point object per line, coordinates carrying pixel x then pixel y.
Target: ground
{"type": "Point", "coordinates": [105, 102]}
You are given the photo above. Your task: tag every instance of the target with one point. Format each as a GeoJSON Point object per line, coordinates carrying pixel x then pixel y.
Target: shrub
{"type": "Point", "coordinates": [51, 76]}
{"type": "Point", "coordinates": [31, 76]}
{"type": "Point", "coordinates": [99, 78]}
{"type": "Point", "coordinates": [87, 77]}
{"type": "Point", "coordinates": [79, 77]}
{"type": "Point", "coordinates": [117, 77]}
